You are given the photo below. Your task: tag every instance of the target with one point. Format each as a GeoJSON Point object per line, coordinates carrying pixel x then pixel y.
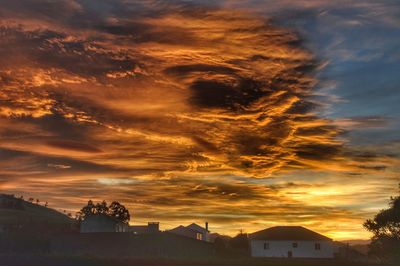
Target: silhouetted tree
{"type": "Point", "coordinates": [88, 210]}
{"type": "Point", "coordinates": [115, 210]}
{"type": "Point", "coordinates": [30, 200]}
{"type": "Point", "coordinates": [119, 212]}
{"type": "Point", "coordinates": [78, 216]}
{"type": "Point", "coordinates": [385, 243]}
{"type": "Point", "coordinates": [102, 208]}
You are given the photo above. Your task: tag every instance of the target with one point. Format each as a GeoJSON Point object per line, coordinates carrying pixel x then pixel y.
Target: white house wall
{"type": "Point", "coordinates": [304, 249]}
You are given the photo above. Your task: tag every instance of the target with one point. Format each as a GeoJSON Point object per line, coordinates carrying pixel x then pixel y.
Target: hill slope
{"type": "Point", "coordinates": [17, 211]}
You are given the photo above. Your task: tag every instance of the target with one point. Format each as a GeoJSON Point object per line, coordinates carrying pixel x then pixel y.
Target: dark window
{"type": "Point", "coordinates": [317, 246]}
{"type": "Point", "coordinates": [266, 245]}
{"type": "Point", "coordinates": [294, 245]}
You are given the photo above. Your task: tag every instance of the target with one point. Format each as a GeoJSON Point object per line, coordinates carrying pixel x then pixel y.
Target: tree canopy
{"type": "Point", "coordinates": [385, 226]}
{"type": "Point", "coordinates": [115, 210]}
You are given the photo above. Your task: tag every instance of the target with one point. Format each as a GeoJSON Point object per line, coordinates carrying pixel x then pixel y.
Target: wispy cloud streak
{"type": "Point", "coordinates": [165, 105]}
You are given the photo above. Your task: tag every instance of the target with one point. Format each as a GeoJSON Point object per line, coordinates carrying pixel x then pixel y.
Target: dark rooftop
{"type": "Point", "coordinates": [288, 233]}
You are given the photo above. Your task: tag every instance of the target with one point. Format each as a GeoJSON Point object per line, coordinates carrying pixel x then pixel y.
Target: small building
{"type": "Point", "coordinates": [99, 223]}
{"type": "Point", "coordinates": [193, 230]}
{"type": "Point", "coordinates": [291, 242]}
{"type": "Point", "coordinates": [150, 228]}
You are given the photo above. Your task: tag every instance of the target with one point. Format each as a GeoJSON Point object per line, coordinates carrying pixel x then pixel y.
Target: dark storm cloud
{"type": "Point", "coordinates": [218, 94]}
{"type": "Point", "coordinates": [228, 90]}
{"type": "Point", "coordinates": [47, 165]}
{"type": "Point", "coordinates": [228, 191]}
{"type": "Point", "coordinates": [58, 126]}
{"type": "Point", "coordinates": [318, 151]}
{"type": "Point", "coordinates": [49, 49]}
{"type": "Point", "coordinates": [315, 131]}
{"type": "Point", "coordinates": [187, 70]}
{"type": "Point", "coordinates": [44, 9]}
{"type": "Point", "coordinates": [73, 145]}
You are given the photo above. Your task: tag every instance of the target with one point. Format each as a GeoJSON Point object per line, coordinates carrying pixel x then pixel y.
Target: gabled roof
{"type": "Point", "coordinates": [191, 227]}
{"type": "Point", "coordinates": [184, 231]}
{"type": "Point", "coordinates": [288, 233]}
{"type": "Point", "coordinates": [197, 228]}
{"type": "Point", "coordinates": [178, 228]}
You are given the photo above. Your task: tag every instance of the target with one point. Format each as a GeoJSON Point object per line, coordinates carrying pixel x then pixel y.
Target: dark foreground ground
{"type": "Point", "coordinates": [18, 260]}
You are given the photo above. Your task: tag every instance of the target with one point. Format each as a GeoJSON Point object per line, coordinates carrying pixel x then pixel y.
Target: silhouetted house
{"type": "Point", "coordinates": [102, 224]}
{"type": "Point", "coordinates": [193, 230]}
{"type": "Point", "coordinates": [150, 228]}
{"type": "Point", "coordinates": [291, 241]}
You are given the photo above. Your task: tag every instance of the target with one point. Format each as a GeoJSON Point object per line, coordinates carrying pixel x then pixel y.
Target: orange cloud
{"type": "Point", "coordinates": [189, 110]}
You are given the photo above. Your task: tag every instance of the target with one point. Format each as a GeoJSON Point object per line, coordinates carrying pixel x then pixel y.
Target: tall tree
{"type": "Point", "coordinates": [119, 212]}
{"type": "Point", "coordinates": [385, 226]}
{"type": "Point", "coordinates": [88, 210]}
{"type": "Point", "coordinates": [115, 210]}
{"type": "Point", "coordinates": [102, 208]}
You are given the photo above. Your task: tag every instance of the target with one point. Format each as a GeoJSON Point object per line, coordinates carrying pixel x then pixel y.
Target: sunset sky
{"type": "Point", "coordinates": [245, 114]}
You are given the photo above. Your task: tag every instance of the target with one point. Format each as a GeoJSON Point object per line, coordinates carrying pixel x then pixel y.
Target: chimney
{"type": "Point", "coordinates": [207, 226]}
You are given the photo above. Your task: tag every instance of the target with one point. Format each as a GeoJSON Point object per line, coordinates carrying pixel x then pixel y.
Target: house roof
{"type": "Point", "coordinates": [197, 228]}
{"type": "Point", "coordinates": [190, 228]}
{"type": "Point", "coordinates": [288, 233]}
{"type": "Point", "coordinates": [182, 230]}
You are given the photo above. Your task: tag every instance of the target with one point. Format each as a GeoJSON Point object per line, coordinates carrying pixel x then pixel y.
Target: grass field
{"type": "Point", "coordinates": [14, 260]}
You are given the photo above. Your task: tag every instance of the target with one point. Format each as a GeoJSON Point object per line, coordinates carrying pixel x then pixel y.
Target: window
{"type": "Point", "coordinates": [294, 245]}
{"type": "Point", "coordinates": [266, 245]}
{"type": "Point", "coordinates": [317, 246]}
{"type": "Point", "coordinates": [199, 236]}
